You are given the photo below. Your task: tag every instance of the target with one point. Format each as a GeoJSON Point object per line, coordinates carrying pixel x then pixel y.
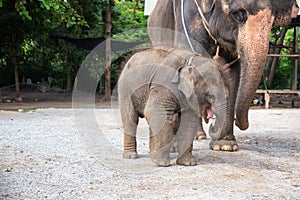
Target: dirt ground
{"type": "Point", "coordinates": [36, 99]}
{"type": "Point", "coordinates": [55, 153]}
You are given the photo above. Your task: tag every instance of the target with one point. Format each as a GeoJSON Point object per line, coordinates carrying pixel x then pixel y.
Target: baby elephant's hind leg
{"type": "Point", "coordinates": [130, 122]}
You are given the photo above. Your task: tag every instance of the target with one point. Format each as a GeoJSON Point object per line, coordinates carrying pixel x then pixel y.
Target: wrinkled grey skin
{"type": "Point", "coordinates": [171, 89]}
{"type": "Point", "coordinates": [241, 28]}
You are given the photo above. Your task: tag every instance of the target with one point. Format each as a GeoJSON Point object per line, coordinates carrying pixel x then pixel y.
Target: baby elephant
{"type": "Point", "coordinates": [171, 88]}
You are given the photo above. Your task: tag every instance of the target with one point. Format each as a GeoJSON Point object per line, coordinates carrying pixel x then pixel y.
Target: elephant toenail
{"type": "Point", "coordinates": [217, 147]}
{"type": "Point", "coordinates": [235, 148]}
{"type": "Point", "coordinates": [226, 148]}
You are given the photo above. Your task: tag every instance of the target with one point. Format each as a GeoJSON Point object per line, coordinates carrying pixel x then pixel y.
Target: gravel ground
{"type": "Point", "coordinates": [77, 154]}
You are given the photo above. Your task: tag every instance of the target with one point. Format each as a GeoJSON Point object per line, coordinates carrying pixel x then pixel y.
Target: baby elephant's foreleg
{"type": "Point", "coordinates": [161, 140]}
{"type": "Point", "coordinates": [189, 124]}
{"type": "Point", "coordinates": [162, 120]}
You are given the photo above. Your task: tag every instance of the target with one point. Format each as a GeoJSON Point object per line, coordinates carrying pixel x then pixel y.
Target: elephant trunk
{"type": "Point", "coordinates": [221, 110]}
{"type": "Point", "coordinates": [253, 41]}
{"type": "Point", "coordinates": [216, 129]}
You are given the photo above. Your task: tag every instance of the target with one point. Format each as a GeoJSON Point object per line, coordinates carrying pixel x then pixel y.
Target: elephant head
{"type": "Point", "coordinates": [203, 86]}
{"type": "Point", "coordinates": [251, 23]}
{"type": "Point", "coordinates": [240, 27]}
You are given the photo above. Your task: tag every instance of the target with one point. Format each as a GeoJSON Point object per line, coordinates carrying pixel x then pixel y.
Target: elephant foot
{"type": "Point", "coordinates": [186, 160]}
{"type": "Point", "coordinates": [130, 155]}
{"type": "Point", "coordinates": [161, 163]}
{"type": "Point", "coordinates": [200, 135]}
{"type": "Point", "coordinates": [160, 159]}
{"type": "Point", "coordinates": [228, 143]}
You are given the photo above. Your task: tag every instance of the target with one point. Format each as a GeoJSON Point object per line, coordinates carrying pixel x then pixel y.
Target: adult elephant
{"type": "Point", "coordinates": [233, 28]}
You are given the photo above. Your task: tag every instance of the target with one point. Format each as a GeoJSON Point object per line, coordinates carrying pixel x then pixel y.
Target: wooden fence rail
{"type": "Point", "coordinates": [267, 94]}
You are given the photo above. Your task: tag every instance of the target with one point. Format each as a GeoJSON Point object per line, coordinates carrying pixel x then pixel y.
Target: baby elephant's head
{"type": "Point", "coordinates": [203, 86]}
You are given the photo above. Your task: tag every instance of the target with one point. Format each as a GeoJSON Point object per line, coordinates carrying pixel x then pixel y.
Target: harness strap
{"type": "Point", "coordinates": [190, 60]}
{"type": "Point", "coordinates": [184, 26]}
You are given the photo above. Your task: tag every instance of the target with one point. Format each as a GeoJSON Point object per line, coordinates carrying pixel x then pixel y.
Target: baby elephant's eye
{"type": "Point", "coordinates": [211, 98]}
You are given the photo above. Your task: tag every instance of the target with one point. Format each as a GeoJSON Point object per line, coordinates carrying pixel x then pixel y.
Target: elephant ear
{"type": "Point", "coordinates": [185, 81]}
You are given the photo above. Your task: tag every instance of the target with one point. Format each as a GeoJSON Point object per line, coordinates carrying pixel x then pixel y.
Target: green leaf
{"type": "Point", "coordinates": [1, 4]}
{"type": "Point", "coordinates": [46, 4]}
{"type": "Point", "coordinates": [56, 6]}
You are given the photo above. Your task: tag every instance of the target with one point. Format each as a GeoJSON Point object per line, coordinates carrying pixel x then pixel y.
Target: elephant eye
{"type": "Point", "coordinates": [240, 16]}
{"type": "Point", "coordinates": [210, 98]}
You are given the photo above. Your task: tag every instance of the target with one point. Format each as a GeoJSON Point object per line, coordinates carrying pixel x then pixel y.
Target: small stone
{"type": "Point", "coordinates": [247, 141]}
{"type": "Point", "coordinates": [19, 99]}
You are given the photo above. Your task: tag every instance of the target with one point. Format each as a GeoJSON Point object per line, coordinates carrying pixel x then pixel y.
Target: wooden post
{"type": "Point", "coordinates": [108, 51]}
{"type": "Point", "coordinates": [267, 100]}
{"type": "Point", "coordinates": [273, 64]}
{"type": "Point", "coordinates": [295, 66]}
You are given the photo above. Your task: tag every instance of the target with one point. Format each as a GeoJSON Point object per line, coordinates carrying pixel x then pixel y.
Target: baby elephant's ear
{"type": "Point", "coordinates": [185, 82]}
{"type": "Point", "coordinates": [176, 78]}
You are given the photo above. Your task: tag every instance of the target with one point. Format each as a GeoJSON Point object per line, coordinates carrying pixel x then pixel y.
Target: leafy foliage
{"type": "Point", "coordinates": [40, 54]}
{"type": "Point", "coordinates": [283, 71]}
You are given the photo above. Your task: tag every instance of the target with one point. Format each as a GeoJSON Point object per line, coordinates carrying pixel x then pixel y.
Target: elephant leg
{"type": "Point", "coordinates": [226, 140]}
{"type": "Point", "coordinates": [160, 145]}
{"type": "Point", "coordinates": [130, 121]}
{"type": "Point", "coordinates": [162, 119]}
{"type": "Point", "coordinates": [185, 136]}
{"type": "Point", "coordinates": [161, 27]}
{"type": "Point", "coordinates": [161, 138]}
{"type": "Point", "coordinates": [129, 147]}
{"type": "Point", "coordinates": [200, 135]}
{"type": "Point", "coordinates": [187, 158]}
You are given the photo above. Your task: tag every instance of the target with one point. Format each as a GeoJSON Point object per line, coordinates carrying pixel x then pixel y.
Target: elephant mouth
{"type": "Point", "coordinates": [208, 114]}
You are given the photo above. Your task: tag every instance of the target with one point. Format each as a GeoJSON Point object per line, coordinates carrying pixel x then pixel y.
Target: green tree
{"type": "Point", "coordinates": [278, 75]}
{"type": "Point", "coordinates": [29, 46]}
{"type": "Point", "coordinates": [21, 20]}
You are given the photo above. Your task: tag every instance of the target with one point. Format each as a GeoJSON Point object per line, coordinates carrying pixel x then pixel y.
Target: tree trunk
{"type": "Point", "coordinates": [69, 76]}
{"type": "Point", "coordinates": [69, 82]}
{"type": "Point", "coordinates": [275, 59]}
{"type": "Point", "coordinates": [108, 25]}
{"type": "Point", "coordinates": [295, 66]}
{"type": "Point", "coordinates": [15, 64]}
